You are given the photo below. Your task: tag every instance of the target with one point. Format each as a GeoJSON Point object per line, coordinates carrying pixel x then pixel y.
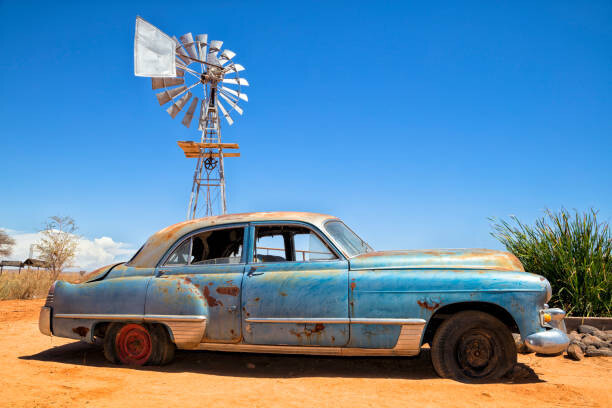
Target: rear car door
{"type": "Point", "coordinates": [295, 289]}
{"type": "Point", "coordinates": [202, 275]}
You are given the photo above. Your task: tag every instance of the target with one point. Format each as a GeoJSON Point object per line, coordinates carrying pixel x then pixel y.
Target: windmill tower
{"type": "Point", "coordinates": [190, 71]}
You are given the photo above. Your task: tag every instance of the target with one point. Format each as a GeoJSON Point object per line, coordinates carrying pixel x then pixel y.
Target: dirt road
{"type": "Point", "coordinates": [38, 371]}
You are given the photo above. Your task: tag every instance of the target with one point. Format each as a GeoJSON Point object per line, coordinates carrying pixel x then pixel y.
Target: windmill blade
{"type": "Point", "coordinates": [189, 45]}
{"type": "Point", "coordinates": [233, 104]}
{"type": "Point", "coordinates": [215, 45]}
{"type": "Point", "coordinates": [178, 105]}
{"type": "Point", "coordinates": [180, 54]}
{"type": "Point", "coordinates": [242, 96]}
{"type": "Point", "coordinates": [158, 83]}
{"type": "Point", "coordinates": [230, 69]}
{"type": "Point", "coordinates": [189, 115]}
{"type": "Point", "coordinates": [236, 81]}
{"type": "Point", "coordinates": [202, 40]}
{"type": "Point", "coordinates": [169, 94]}
{"type": "Point", "coordinates": [228, 55]}
{"type": "Point", "coordinates": [227, 116]}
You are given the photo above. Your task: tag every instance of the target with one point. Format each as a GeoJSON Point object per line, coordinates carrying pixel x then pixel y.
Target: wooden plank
{"type": "Point", "coordinates": [192, 155]}
{"type": "Point", "coordinates": [191, 145]}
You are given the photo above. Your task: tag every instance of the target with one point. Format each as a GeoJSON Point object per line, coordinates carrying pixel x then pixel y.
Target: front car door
{"type": "Point", "coordinates": [202, 275]}
{"type": "Point", "coordinates": [295, 289]}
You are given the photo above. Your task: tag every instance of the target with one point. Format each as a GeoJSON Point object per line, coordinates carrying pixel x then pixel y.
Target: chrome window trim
{"type": "Point", "coordinates": [243, 225]}
{"type": "Point", "coordinates": [323, 237]}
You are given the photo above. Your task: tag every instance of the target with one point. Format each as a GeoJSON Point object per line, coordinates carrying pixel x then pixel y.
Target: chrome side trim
{"type": "Point", "coordinates": [326, 351]}
{"type": "Point", "coordinates": [185, 334]}
{"type": "Point", "coordinates": [409, 340]}
{"type": "Point", "coordinates": [44, 321]}
{"type": "Point", "coordinates": [314, 320]}
{"type": "Point", "coordinates": [403, 322]}
{"type": "Point", "coordinates": [176, 318]}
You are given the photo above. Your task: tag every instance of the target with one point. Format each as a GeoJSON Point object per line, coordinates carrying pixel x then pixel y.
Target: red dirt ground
{"type": "Point", "coordinates": [39, 371]}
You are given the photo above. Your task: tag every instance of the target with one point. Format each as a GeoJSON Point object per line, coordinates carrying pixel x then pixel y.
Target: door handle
{"type": "Point", "coordinates": [252, 271]}
{"type": "Point", "coordinates": [162, 271]}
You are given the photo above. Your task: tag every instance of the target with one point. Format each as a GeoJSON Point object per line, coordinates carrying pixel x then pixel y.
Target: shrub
{"type": "Point", "coordinates": [572, 251]}
{"type": "Point", "coordinates": [29, 283]}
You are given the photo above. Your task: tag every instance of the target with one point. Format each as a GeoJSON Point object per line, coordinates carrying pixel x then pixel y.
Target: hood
{"type": "Point", "coordinates": [99, 273]}
{"type": "Point", "coordinates": [438, 259]}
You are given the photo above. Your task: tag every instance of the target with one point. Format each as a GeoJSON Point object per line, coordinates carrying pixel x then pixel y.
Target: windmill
{"type": "Point", "coordinates": [197, 74]}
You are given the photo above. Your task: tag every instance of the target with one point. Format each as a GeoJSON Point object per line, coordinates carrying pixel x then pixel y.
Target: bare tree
{"type": "Point", "coordinates": [59, 243]}
{"type": "Point", "coordinates": [6, 244]}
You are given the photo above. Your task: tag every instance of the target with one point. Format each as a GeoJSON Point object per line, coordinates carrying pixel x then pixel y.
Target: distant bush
{"type": "Point", "coordinates": [572, 251]}
{"type": "Point", "coordinates": [29, 284]}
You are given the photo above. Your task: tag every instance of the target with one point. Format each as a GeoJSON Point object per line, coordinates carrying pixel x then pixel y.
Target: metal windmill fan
{"type": "Point", "coordinates": [190, 71]}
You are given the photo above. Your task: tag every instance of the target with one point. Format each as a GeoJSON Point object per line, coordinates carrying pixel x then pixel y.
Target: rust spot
{"type": "Point", "coordinates": [248, 314]}
{"type": "Point", "coordinates": [187, 279]}
{"type": "Point", "coordinates": [424, 304]}
{"type": "Point", "coordinates": [212, 302]}
{"type": "Point", "coordinates": [81, 331]}
{"type": "Point", "coordinates": [353, 284]}
{"type": "Point", "coordinates": [333, 339]}
{"type": "Point", "coordinates": [283, 294]}
{"type": "Point", "coordinates": [257, 299]}
{"type": "Point", "coordinates": [211, 283]}
{"type": "Point", "coordinates": [319, 327]}
{"type": "Point", "coordinates": [228, 290]}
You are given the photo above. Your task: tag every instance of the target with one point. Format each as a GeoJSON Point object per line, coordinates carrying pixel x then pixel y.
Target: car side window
{"type": "Point", "coordinates": [219, 246]}
{"type": "Point", "coordinates": [289, 243]}
{"type": "Point", "coordinates": [180, 256]}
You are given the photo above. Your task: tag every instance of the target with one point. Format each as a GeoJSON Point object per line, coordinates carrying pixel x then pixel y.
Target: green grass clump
{"type": "Point", "coordinates": [572, 251]}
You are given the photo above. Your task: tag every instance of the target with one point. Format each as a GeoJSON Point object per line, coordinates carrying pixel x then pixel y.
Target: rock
{"type": "Point", "coordinates": [520, 344]}
{"type": "Point", "coordinates": [579, 344]}
{"type": "Point", "coordinates": [603, 352]}
{"type": "Point", "coordinates": [585, 328]}
{"type": "Point", "coordinates": [591, 340]}
{"type": "Point", "coordinates": [574, 351]}
{"type": "Point", "coordinates": [575, 336]}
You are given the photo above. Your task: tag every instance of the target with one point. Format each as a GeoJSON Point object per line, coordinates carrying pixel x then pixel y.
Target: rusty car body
{"type": "Point", "coordinates": [289, 282]}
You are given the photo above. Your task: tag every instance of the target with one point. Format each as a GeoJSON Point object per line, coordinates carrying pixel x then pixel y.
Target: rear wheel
{"type": "Point", "coordinates": [473, 346]}
{"type": "Point", "coordinates": [136, 344]}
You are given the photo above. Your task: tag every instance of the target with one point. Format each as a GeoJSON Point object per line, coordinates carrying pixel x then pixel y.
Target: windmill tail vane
{"type": "Point", "coordinates": [190, 74]}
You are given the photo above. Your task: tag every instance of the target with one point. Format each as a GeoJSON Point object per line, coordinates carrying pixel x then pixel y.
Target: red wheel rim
{"type": "Point", "coordinates": [133, 344]}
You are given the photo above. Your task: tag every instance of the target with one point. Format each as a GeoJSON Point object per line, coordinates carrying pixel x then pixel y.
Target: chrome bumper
{"type": "Point", "coordinates": [548, 342]}
{"type": "Point", "coordinates": [44, 321]}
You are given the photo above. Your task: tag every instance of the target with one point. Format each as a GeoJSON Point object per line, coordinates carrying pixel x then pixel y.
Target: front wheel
{"type": "Point", "coordinates": [473, 346]}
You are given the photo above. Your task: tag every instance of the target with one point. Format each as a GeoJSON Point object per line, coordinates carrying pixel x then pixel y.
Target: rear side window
{"type": "Point", "coordinates": [289, 243]}
{"type": "Point", "coordinates": [219, 246]}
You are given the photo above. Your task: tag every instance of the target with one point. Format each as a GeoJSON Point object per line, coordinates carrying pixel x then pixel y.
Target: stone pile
{"type": "Point", "coordinates": [589, 341]}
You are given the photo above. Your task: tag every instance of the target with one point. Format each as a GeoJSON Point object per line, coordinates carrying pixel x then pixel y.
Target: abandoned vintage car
{"type": "Point", "coordinates": [288, 282]}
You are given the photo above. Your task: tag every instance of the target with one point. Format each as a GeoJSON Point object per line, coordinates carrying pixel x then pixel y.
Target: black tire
{"type": "Point", "coordinates": [109, 342]}
{"type": "Point", "coordinates": [163, 347]}
{"type": "Point", "coordinates": [473, 346]}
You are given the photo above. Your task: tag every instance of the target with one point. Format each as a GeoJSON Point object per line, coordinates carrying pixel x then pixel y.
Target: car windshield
{"type": "Point", "coordinates": [350, 242]}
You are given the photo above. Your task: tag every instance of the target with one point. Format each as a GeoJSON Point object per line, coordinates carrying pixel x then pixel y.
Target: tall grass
{"type": "Point", "coordinates": [29, 284]}
{"type": "Point", "coordinates": [572, 251]}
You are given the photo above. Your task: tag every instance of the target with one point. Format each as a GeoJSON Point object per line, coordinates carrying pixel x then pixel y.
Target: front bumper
{"type": "Point", "coordinates": [552, 341]}
{"type": "Point", "coordinates": [44, 321]}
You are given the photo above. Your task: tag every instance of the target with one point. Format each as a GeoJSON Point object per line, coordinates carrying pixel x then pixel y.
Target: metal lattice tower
{"type": "Point", "coordinates": [167, 60]}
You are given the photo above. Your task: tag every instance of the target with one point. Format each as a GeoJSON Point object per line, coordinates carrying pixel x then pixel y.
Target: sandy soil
{"type": "Point", "coordinates": [39, 371]}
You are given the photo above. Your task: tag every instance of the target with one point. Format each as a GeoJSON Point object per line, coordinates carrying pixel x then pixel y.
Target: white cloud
{"type": "Point", "coordinates": [91, 254]}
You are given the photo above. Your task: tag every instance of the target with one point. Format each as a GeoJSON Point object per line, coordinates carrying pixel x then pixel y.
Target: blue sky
{"type": "Point", "coordinates": [412, 121]}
